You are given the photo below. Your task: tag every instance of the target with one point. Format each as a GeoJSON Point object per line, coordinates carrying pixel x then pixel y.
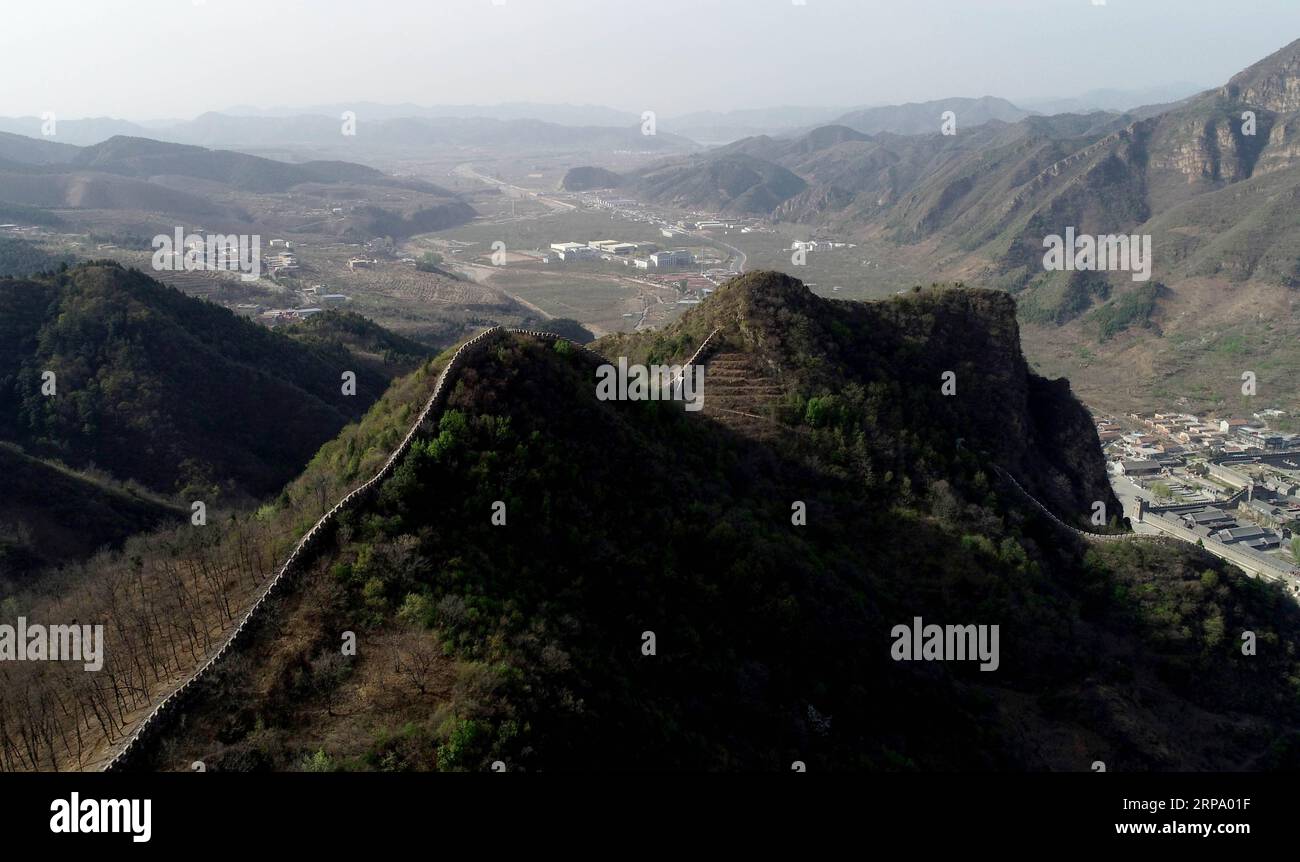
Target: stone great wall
{"type": "Point", "coordinates": [153, 723]}
{"type": "Point", "coordinates": [1096, 538]}
{"type": "Point", "coordinates": [170, 705]}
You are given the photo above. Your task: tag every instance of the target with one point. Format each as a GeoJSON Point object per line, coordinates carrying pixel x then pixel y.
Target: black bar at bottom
{"type": "Point", "coordinates": [215, 811]}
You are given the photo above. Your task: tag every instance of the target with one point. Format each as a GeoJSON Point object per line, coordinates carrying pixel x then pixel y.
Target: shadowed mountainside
{"type": "Point", "coordinates": [174, 392]}
{"type": "Point", "coordinates": [523, 641]}
{"type": "Point", "coordinates": [49, 515]}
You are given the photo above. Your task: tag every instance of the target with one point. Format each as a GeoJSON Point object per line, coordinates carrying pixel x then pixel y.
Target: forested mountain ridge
{"type": "Point", "coordinates": [176, 393]}
{"type": "Point", "coordinates": [523, 640]}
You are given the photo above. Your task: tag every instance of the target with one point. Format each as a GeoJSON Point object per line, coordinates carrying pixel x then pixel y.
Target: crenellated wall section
{"type": "Point", "coordinates": [309, 544]}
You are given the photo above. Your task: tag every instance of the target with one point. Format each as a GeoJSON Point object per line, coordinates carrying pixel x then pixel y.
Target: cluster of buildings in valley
{"type": "Point", "coordinates": [820, 245]}
{"type": "Point", "coordinates": [694, 277]}
{"type": "Point", "coordinates": [626, 253]}
{"type": "Point", "coordinates": [713, 261]}
{"type": "Point", "coordinates": [708, 225]}
{"type": "Point", "coordinates": [1254, 524]}
{"type": "Point", "coordinates": [1161, 436]}
{"type": "Point", "coordinates": [634, 210]}
{"type": "Point", "coordinates": [282, 262]}
{"type": "Point", "coordinates": [279, 316]}
{"type": "Point", "coordinates": [317, 302]}
{"type": "Point", "coordinates": [31, 231]}
{"type": "Point", "coordinates": [1230, 483]}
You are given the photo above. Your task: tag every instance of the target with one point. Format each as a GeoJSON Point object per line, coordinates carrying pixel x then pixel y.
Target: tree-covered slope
{"type": "Point", "coordinates": [50, 514]}
{"type": "Point", "coordinates": [525, 641]}
{"type": "Point", "coordinates": [165, 389]}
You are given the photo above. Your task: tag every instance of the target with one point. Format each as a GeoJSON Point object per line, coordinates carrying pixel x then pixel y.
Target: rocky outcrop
{"type": "Point", "coordinates": [1272, 84]}
{"type": "Point", "coordinates": [813, 205]}
{"type": "Point", "coordinates": [1034, 428]}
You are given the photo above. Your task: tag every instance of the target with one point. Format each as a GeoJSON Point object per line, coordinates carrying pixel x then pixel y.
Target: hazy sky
{"type": "Point", "coordinates": [144, 59]}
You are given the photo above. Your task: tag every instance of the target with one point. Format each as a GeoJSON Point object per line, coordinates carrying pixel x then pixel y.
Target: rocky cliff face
{"type": "Point", "coordinates": [1033, 427]}
{"type": "Point", "coordinates": [812, 205]}
{"type": "Point", "coordinates": [905, 349]}
{"type": "Point", "coordinates": [1283, 148]}
{"type": "Point", "coordinates": [1272, 84]}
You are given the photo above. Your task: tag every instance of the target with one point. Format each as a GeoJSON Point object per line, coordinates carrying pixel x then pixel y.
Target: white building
{"type": "Point", "coordinates": [579, 252]}
{"type": "Point", "coordinates": [675, 259]}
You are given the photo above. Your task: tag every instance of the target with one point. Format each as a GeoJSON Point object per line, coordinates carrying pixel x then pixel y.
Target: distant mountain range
{"type": "Point", "coordinates": [706, 127]}
{"type": "Point", "coordinates": [721, 127]}
{"type": "Point", "coordinates": [926, 117]}
{"type": "Point", "coordinates": [1006, 178]}
{"type": "Point", "coordinates": [79, 132]}
{"type": "Point", "coordinates": [1112, 99]}
{"type": "Point", "coordinates": [564, 115]}
{"type": "Point", "coordinates": [250, 126]}
{"type": "Point", "coordinates": [150, 178]}
{"type": "Point", "coordinates": [1213, 179]}
{"type": "Point", "coordinates": [379, 132]}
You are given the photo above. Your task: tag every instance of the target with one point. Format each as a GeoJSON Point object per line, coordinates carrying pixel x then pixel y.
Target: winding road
{"type": "Point", "coordinates": [467, 170]}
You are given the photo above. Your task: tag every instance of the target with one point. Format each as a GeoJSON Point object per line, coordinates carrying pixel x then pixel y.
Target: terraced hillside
{"type": "Point", "coordinates": [742, 394]}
